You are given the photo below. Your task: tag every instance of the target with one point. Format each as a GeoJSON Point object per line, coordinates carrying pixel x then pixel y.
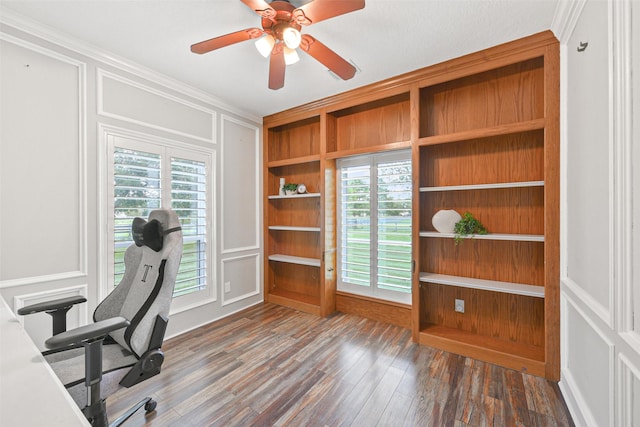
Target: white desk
{"type": "Point", "coordinates": [30, 393]}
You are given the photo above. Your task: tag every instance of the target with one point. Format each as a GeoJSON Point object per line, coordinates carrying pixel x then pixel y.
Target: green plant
{"type": "Point", "coordinates": [466, 226]}
{"type": "Point", "coordinates": [290, 187]}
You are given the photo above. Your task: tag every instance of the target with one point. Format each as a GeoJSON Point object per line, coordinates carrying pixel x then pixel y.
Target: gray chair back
{"type": "Point", "coordinates": [146, 289]}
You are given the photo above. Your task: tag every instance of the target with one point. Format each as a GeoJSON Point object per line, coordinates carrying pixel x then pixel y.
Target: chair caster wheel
{"type": "Point", "coordinates": [150, 406]}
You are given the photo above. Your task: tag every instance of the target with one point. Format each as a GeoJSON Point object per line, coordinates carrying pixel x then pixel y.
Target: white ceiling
{"type": "Point", "coordinates": [386, 38]}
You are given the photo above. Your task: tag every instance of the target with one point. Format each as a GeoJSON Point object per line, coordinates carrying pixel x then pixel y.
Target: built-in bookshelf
{"type": "Point", "coordinates": [484, 134]}
{"type": "Point", "coordinates": [486, 143]}
{"type": "Point", "coordinates": [293, 228]}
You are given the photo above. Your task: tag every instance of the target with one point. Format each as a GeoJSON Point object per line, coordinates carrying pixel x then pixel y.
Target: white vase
{"type": "Point", "coordinates": [444, 221]}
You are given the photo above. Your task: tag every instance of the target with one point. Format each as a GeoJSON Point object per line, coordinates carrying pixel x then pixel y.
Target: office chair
{"type": "Point", "coordinates": [122, 347]}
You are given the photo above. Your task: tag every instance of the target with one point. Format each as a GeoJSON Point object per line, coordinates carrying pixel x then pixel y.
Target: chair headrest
{"type": "Point", "coordinates": [151, 233]}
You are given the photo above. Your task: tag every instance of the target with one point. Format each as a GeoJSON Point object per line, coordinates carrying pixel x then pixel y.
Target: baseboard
{"type": "Point", "coordinates": [383, 311]}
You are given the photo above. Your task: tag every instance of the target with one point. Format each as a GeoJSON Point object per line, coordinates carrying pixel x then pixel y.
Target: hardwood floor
{"type": "Point", "coordinates": [270, 365]}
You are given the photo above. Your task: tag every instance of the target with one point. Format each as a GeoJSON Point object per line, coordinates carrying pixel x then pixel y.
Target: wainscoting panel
{"type": "Point", "coordinates": [240, 166]}
{"type": "Point", "coordinates": [240, 278]}
{"type": "Point", "coordinates": [588, 361]}
{"type": "Point", "coordinates": [42, 167]}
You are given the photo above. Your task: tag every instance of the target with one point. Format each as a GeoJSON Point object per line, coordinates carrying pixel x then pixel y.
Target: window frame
{"type": "Point", "coordinates": [371, 160]}
{"type": "Point", "coordinates": [167, 149]}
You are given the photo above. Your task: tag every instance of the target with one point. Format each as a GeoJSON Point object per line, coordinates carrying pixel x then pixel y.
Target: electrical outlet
{"type": "Point", "coordinates": [459, 305]}
{"type": "Point", "coordinates": [227, 286]}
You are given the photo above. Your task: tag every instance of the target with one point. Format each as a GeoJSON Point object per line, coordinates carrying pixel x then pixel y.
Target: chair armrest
{"type": "Point", "coordinates": [89, 332]}
{"type": "Point", "coordinates": [51, 305]}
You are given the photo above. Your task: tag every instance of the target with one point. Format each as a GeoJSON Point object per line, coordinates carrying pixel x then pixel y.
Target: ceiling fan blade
{"type": "Point", "coordinates": [319, 10]}
{"type": "Point", "coordinates": [276, 67]}
{"type": "Point", "coordinates": [327, 57]}
{"type": "Point", "coordinates": [226, 40]}
{"type": "Point", "coordinates": [261, 7]}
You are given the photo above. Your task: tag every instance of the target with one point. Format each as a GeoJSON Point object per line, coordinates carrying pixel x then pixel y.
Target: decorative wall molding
{"type": "Point", "coordinates": [23, 281]}
{"type": "Point", "coordinates": [565, 18]}
{"type": "Point", "coordinates": [617, 326]}
{"type": "Point", "coordinates": [627, 372]}
{"type": "Point", "coordinates": [81, 271]}
{"type": "Point", "coordinates": [621, 121]}
{"type": "Point", "coordinates": [571, 391]}
{"type": "Point", "coordinates": [588, 300]}
{"type": "Point", "coordinates": [102, 75]}
{"type": "Point", "coordinates": [257, 279]}
{"type": "Point", "coordinates": [257, 187]}
{"type": "Point", "coordinates": [51, 35]}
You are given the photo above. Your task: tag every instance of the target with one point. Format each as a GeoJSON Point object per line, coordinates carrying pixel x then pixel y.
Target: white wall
{"type": "Point", "coordinates": [60, 101]}
{"type": "Point", "coordinates": [600, 341]}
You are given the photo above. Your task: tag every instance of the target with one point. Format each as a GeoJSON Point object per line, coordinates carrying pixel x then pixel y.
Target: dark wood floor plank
{"type": "Point", "coordinates": [273, 366]}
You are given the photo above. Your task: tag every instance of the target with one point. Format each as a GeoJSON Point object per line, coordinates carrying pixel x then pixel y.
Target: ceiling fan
{"type": "Point", "coordinates": [280, 35]}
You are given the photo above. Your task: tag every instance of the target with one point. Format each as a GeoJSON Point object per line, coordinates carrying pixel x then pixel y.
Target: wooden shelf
{"type": "Point", "coordinates": [292, 228]}
{"type": "Point", "coordinates": [313, 262]}
{"type": "Point", "coordinates": [296, 196]}
{"type": "Point", "coordinates": [521, 357]}
{"type": "Point", "coordinates": [483, 186]}
{"type": "Point", "coordinates": [368, 150]}
{"type": "Point", "coordinates": [490, 236]}
{"type": "Point", "coordinates": [518, 127]}
{"type": "Point", "coordinates": [294, 161]}
{"type": "Point", "coordinates": [487, 285]}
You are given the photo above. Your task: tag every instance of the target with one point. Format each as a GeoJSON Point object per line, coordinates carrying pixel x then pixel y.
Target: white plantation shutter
{"type": "Point", "coordinates": [394, 226]}
{"type": "Point", "coordinates": [146, 180]}
{"type": "Point", "coordinates": [189, 200]}
{"type": "Point", "coordinates": [374, 249]}
{"type": "Point", "coordinates": [137, 191]}
{"type": "Point", "coordinates": [355, 236]}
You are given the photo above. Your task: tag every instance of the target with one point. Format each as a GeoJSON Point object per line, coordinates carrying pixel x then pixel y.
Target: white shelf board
{"type": "Point", "coordinates": [313, 262]}
{"type": "Point", "coordinates": [484, 186]}
{"type": "Point", "coordinates": [297, 196]}
{"type": "Point", "coordinates": [490, 236]}
{"type": "Point", "coordinates": [290, 228]}
{"type": "Point", "coordinates": [487, 285]}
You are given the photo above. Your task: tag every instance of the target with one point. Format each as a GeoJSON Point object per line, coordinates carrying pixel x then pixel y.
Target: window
{"type": "Point", "coordinates": [147, 176]}
{"type": "Point", "coordinates": [374, 216]}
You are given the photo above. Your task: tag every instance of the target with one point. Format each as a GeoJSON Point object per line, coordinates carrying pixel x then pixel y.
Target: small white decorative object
{"type": "Point", "coordinates": [302, 188]}
{"type": "Point", "coordinates": [282, 186]}
{"type": "Point", "coordinates": [444, 221]}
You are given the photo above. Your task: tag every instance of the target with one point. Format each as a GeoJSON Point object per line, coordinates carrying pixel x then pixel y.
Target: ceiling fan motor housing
{"type": "Point", "coordinates": [276, 25]}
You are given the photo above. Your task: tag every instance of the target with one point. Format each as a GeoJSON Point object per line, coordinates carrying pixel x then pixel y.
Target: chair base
{"type": "Point", "coordinates": [149, 406]}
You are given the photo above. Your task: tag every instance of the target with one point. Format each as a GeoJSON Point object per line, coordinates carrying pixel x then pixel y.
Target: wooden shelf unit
{"type": "Point", "coordinates": [488, 145]}
{"type": "Point", "coordinates": [484, 135]}
{"type": "Point", "coordinates": [293, 227]}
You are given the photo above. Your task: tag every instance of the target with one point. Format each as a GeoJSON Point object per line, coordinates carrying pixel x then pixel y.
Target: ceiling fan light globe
{"type": "Point", "coordinates": [265, 45]}
{"type": "Point", "coordinates": [290, 56]}
{"type": "Point", "coordinates": [291, 37]}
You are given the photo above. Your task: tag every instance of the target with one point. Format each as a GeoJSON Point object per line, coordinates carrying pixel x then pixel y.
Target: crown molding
{"type": "Point", "coordinates": [52, 35]}
{"type": "Point", "coordinates": [565, 18]}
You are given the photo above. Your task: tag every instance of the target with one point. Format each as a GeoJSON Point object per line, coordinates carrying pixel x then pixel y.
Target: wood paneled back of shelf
{"type": "Point", "coordinates": [506, 317]}
{"type": "Point", "coordinates": [307, 173]}
{"type": "Point", "coordinates": [505, 261]}
{"type": "Point", "coordinates": [296, 140]}
{"type": "Point", "coordinates": [515, 157]}
{"type": "Point", "coordinates": [505, 210]}
{"type": "Point", "coordinates": [502, 96]}
{"type": "Point", "coordinates": [372, 124]}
